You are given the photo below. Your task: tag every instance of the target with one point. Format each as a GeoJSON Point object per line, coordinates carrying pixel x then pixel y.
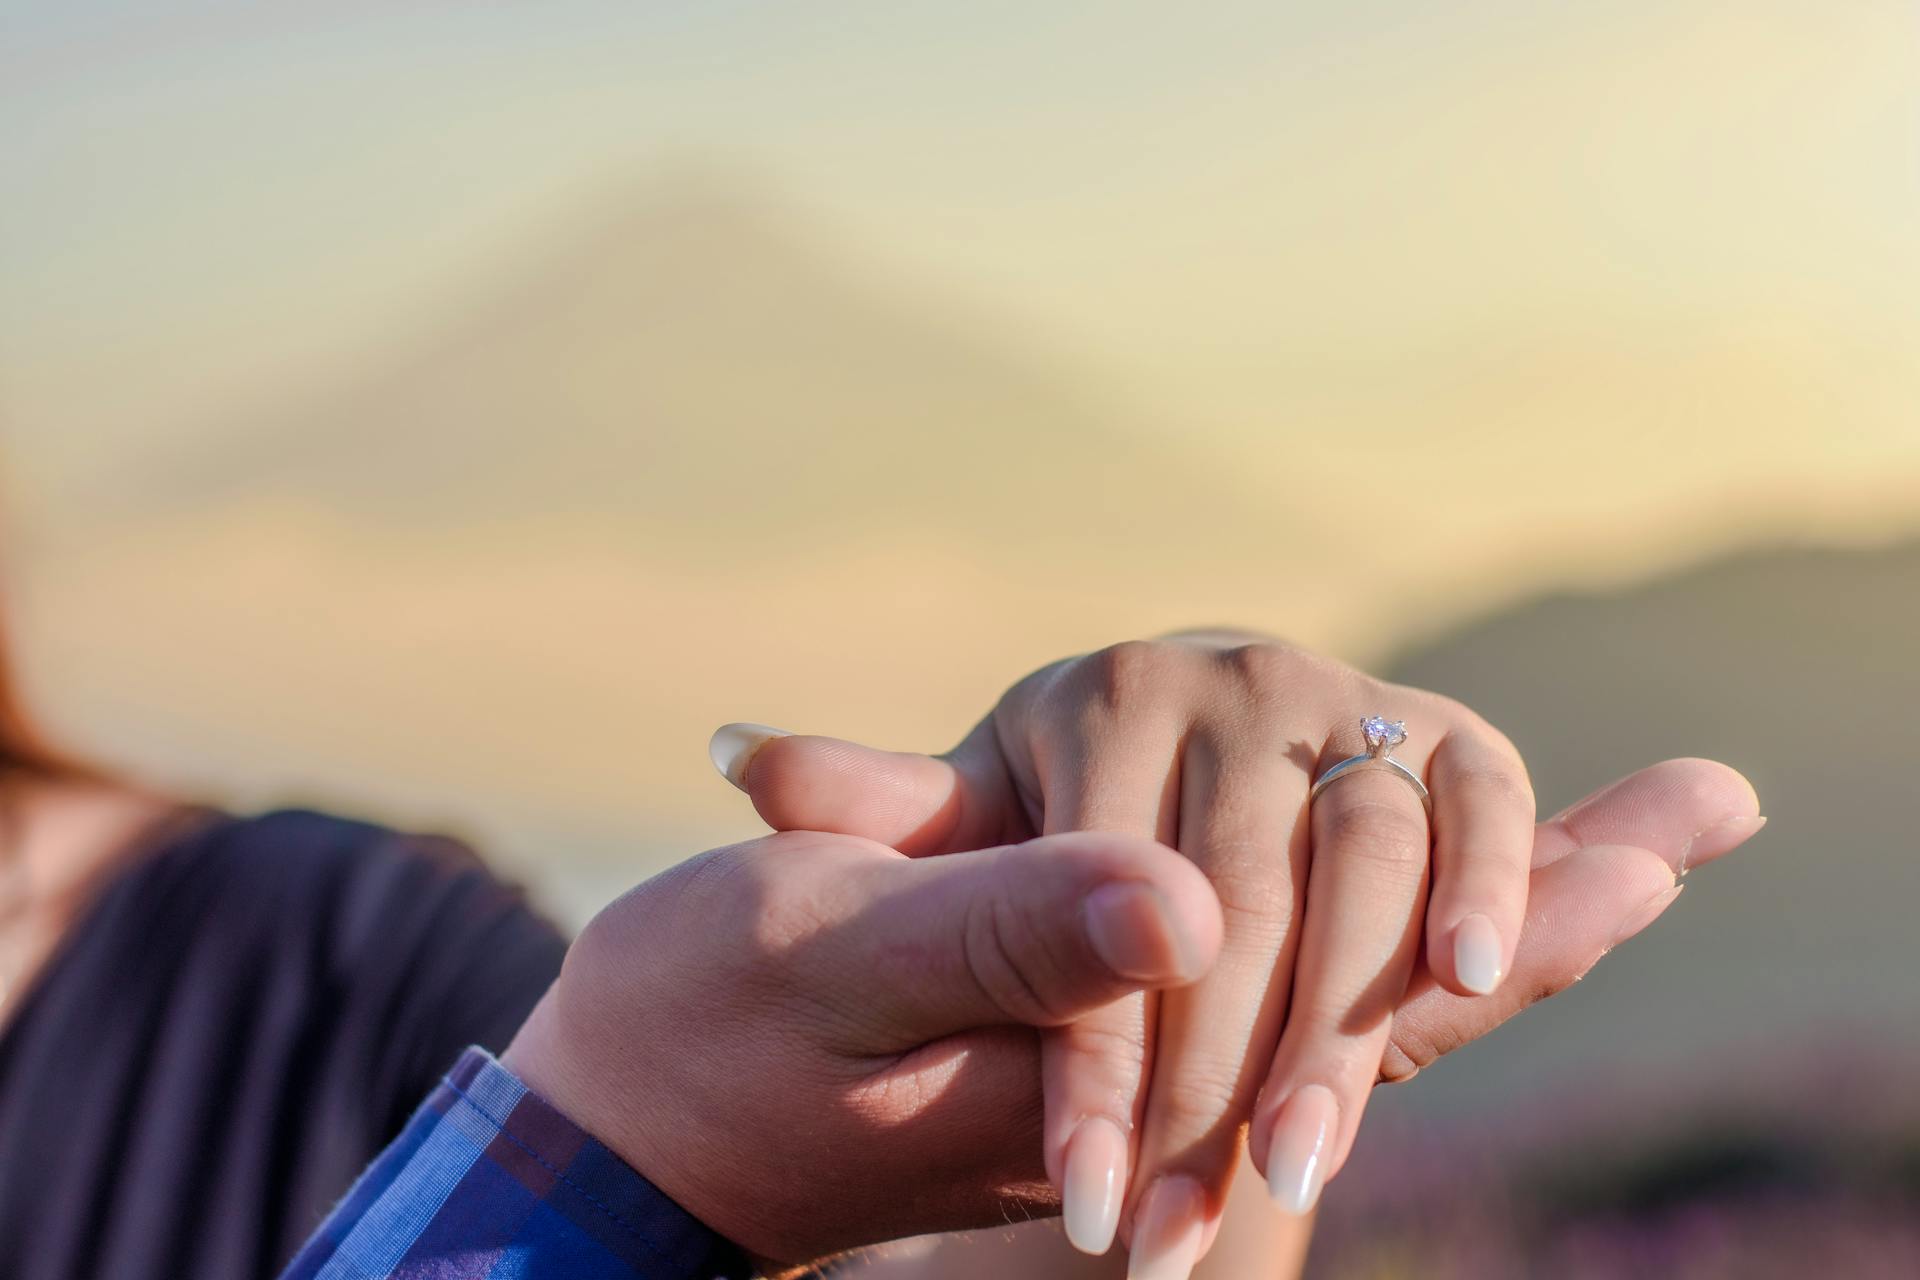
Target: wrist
{"type": "Point", "coordinates": [531, 1057]}
{"type": "Point", "coordinates": [611, 1106]}
{"type": "Point", "coordinates": [554, 1064]}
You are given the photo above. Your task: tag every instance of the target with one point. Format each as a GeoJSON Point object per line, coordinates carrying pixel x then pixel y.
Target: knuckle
{"type": "Point", "coordinates": [1502, 744]}
{"type": "Point", "coordinates": [1257, 901]}
{"type": "Point", "coordinates": [1495, 784]}
{"type": "Point", "coordinates": [670, 914]}
{"type": "Point", "coordinates": [998, 964]}
{"type": "Point", "coordinates": [720, 878]}
{"type": "Point", "coordinates": [782, 895]}
{"type": "Point", "coordinates": [1385, 833]}
{"type": "Point", "coordinates": [1201, 1094]}
{"type": "Point", "coordinates": [1270, 672]}
{"type": "Point", "coordinates": [1469, 728]}
{"type": "Point", "coordinates": [1452, 708]}
{"type": "Point", "coordinates": [1112, 1051]}
{"type": "Point", "coordinates": [1131, 673]}
{"type": "Point", "coordinates": [1275, 675]}
{"type": "Point", "coordinates": [1480, 727]}
{"type": "Point", "coordinates": [1035, 685]}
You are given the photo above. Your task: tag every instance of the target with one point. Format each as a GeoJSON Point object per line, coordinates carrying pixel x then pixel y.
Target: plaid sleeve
{"type": "Point", "coordinates": [489, 1182]}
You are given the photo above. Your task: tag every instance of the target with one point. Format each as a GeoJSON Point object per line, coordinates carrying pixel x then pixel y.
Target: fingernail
{"type": "Point", "coordinates": [1718, 839]}
{"type": "Point", "coordinates": [1476, 954]}
{"type": "Point", "coordinates": [1166, 1234]}
{"type": "Point", "coordinates": [1132, 928]}
{"type": "Point", "coordinates": [1645, 914]}
{"type": "Point", "coordinates": [1091, 1186]}
{"type": "Point", "coordinates": [732, 748]}
{"type": "Point", "coordinates": [1301, 1148]}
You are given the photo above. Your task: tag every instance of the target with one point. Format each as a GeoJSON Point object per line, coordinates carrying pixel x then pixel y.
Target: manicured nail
{"type": "Point", "coordinates": [1645, 915]}
{"type": "Point", "coordinates": [732, 748]}
{"type": "Point", "coordinates": [1476, 954]}
{"type": "Point", "coordinates": [1301, 1148]}
{"type": "Point", "coordinates": [1720, 838]}
{"type": "Point", "coordinates": [1092, 1184]}
{"type": "Point", "coordinates": [1132, 928]}
{"type": "Point", "coordinates": [1167, 1231]}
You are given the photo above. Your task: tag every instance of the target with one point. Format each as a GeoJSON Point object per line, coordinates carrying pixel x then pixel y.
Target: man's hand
{"type": "Point", "coordinates": [812, 1042]}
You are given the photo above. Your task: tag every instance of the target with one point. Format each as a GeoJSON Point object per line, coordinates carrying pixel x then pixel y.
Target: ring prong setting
{"type": "Point", "coordinates": [1382, 735]}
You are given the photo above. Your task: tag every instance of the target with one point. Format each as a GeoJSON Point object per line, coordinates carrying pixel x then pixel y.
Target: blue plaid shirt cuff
{"type": "Point", "coordinates": [489, 1182]}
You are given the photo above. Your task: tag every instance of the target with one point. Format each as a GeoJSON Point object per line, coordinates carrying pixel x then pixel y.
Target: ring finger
{"type": "Point", "coordinates": [1366, 891]}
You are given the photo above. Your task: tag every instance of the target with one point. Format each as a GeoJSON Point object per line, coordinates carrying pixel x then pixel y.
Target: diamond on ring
{"type": "Point", "coordinates": [1382, 734]}
{"type": "Point", "coordinates": [1381, 737]}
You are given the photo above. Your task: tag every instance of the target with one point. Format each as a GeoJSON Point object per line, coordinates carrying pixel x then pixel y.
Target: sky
{"type": "Point", "coordinates": [1447, 304]}
{"type": "Point", "coordinates": [1247, 213]}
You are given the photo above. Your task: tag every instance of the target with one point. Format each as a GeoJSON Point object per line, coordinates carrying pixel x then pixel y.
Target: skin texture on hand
{"type": "Point", "coordinates": [1148, 742]}
{"type": "Point", "coordinates": [1604, 869]}
{"type": "Point", "coordinates": [811, 1042]}
{"type": "Point", "coordinates": [1209, 743]}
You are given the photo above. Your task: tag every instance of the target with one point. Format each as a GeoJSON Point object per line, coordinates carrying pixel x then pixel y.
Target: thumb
{"type": "Point", "coordinates": [917, 804]}
{"type": "Point", "coordinates": [1038, 934]}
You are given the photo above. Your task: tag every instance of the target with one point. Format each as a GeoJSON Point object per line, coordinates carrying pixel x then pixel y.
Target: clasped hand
{"type": "Point", "coordinates": [825, 1037]}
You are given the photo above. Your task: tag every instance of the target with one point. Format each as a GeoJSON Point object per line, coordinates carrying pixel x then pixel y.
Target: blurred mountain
{"type": "Point", "coordinates": [702, 365]}
{"type": "Point", "coordinates": [692, 465]}
{"type": "Point", "coordinates": [589, 508]}
{"type": "Point", "coordinates": [1798, 666]}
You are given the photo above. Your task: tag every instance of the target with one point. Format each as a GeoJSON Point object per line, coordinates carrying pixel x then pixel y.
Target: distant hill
{"type": "Point", "coordinates": [1802, 668]}
{"type": "Point", "coordinates": [693, 464]}
{"type": "Point", "coordinates": [701, 365]}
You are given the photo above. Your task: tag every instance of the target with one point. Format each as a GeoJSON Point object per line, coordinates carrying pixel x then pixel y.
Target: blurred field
{"type": "Point", "coordinates": [453, 414]}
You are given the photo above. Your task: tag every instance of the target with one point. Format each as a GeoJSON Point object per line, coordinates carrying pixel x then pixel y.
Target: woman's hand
{"type": "Point", "coordinates": [811, 1042]}
{"type": "Point", "coordinates": [1210, 741]}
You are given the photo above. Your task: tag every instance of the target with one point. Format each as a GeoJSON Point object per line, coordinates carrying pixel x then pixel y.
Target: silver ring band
{"type": "Point", "coordinates": [1353, 764]}
{"type": "Point", "coordinates": [1382, 736]}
